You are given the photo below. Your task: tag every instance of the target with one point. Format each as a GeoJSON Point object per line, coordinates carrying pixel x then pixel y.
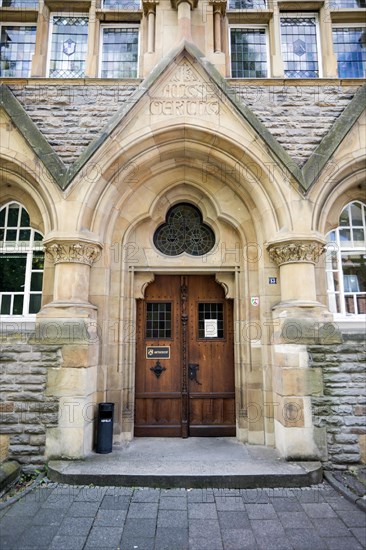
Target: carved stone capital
{"type": "Point", "coordinates": [299, 251]}
{"type": "Point", "coordinates": [149, 6]}
{"type": "Point", "coordinates": [218, 6]}
{"type": "Point", "coordinates": [192, 3]}
{"type": "Point", "coordinates": [72, 252]}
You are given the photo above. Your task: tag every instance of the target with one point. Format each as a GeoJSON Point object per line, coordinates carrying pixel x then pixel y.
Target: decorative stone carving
{"type": "Point", "coordinates": [192, 3]}
{"type": "Point", "coordinates": [219, 6]}
{"type": "Point", "coordinates": [141, 282]}
{"type": "Point", "coordinates": [296, 251]}
{"type": "Point", "coordinates": [227, 281]}
{"type": "Point", "coordinates": [185, 93]}
{"type": "Point", "coordinates": [73, 252]}
{"type": "Point", "coordinates": [149, 6]}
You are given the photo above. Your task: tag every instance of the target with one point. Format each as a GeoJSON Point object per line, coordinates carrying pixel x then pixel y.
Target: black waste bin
{"type": "Point", "coordinates": [105, 428]}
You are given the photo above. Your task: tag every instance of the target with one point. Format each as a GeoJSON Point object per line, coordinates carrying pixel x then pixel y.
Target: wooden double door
{"type": "Point", "coordinates": [184, 359]}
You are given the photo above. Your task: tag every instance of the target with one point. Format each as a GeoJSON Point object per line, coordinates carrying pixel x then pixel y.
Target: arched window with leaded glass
{"type": "Point", "coordinates": [346, 262]}
{"type": "Point", "coordinates": [21, 263]}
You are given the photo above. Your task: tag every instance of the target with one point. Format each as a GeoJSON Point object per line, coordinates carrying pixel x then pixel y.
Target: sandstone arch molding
{"type": "Point", "coordinates": [342, 179]}
{"type": "Point", "coordinates": [138, 263]}
{"type": "Point", "coordinates": [157, 166]}
{"type": "Point", "coordinates": [22, 182]}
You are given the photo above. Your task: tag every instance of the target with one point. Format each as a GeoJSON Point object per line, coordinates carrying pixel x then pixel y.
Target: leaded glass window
{"type": "Point", "coordinates": [300, 47]}
{"type": "Point", "coordinates": [21, 263]}
{"type": "Point", "coordinates": [247, 4]}
{"type": "Point", "coordinates": [248, 53]}
{"type": "Point", "coordinates": [69, 47]}
{"type": "Point", "coordinates": [16, 50]}
{"type": "Point", "coordinates": [346, 262]}
{"type": "Point", "coordinates": [158, 320]}
{"type": "Point", "coordinates": [210, 320]}
{"type": "Point", "coordinates": [19, 4]}
{"type": "Point", "coordinates": [350, 50]}
{"type": "Point", "coordinates": [184, 231]}
{"type": "Point", "coordinates": [120, 52]}
{"type": "Point", "coordinates": [336, 4]}
{"type": "Point", "coordinates": [121, 4]}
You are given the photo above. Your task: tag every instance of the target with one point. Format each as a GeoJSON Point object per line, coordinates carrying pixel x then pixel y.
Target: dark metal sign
{"type": "Point", "coordinates": [157, 352]}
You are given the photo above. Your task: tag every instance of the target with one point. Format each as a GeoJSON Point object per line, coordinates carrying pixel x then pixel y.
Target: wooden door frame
{"type": "Point", "coordinates": [232, 281]}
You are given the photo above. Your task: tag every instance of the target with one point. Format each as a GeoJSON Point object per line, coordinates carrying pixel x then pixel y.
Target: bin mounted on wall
{"type": "Point", "coordinates": [105, 428]}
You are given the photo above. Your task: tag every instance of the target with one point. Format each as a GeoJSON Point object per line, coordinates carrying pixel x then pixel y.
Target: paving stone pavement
{"type": "Point", "coordinates": [66, 517]}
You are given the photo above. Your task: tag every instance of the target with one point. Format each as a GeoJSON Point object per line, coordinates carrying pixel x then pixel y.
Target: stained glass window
{"type": "Point", "coordinates": [248, 53]}
{"type": "Point", "coordinates": [184, 231]}
{"type": "Point", "coordinates": [350, 50]}
{"type": "Point", "coordinates": [120, 52]}
{"type": "Point", "coordinates": [299, 47]}
{"type": "Point", "coordinates": [16, 50]}
{"type": "Point", "coordinates": [69, 47]}
{"type": "Point", "coordinates": [21, 263]}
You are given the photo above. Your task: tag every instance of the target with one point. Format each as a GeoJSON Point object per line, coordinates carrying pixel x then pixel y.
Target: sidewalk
{"type": "Point", "coordinates": [67, 517]}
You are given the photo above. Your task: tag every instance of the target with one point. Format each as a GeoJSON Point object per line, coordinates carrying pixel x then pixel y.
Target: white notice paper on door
{"type": "Point", "coordinates": [210, 328]}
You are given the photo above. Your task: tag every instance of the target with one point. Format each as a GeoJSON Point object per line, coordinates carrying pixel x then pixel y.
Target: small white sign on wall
{"type": "Point", "coordinates": [210, 328]}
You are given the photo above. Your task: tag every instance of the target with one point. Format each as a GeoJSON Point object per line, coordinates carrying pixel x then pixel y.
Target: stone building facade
{"type": "Point", "coordinates": [182, 224]}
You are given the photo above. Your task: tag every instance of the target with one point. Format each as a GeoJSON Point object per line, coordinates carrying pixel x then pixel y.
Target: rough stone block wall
{"type": "Point", "coordinates": [342, 408]}
{"type": "Point", "coordinates": [297, 116]}
{"type": "Point", "coordinates": [25, 409]}
{"type": "Point", "coordinates": [71, 116]}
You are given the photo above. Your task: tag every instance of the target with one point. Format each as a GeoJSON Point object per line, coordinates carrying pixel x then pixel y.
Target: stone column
{"type": "Point", "coordinates": [91, 63]}
{"type": "Point", "coordinates": [73, 260]}
{"type": "Point", "coordinates": [277, 67]}
{"type": "Point", "coordinates": [219, 9]}
{"type": "Point", "coordinates": [184, 8]}
{"type": "Point", "coordinates": [298, 320]}
{"type": "Point", "coordinates": [149, 7]}
{"type": "Point", "coordinates": [39, 61]}
{"type": "Point", "coordinates": [296, 259]}
{"type": "Point", "coordinates": [70, 321]}
{"type": "Point", "coordinates": [330, 69]}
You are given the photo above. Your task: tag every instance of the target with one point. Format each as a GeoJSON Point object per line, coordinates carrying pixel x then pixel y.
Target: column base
{"type": "Point", "coordinates": [304, 322]}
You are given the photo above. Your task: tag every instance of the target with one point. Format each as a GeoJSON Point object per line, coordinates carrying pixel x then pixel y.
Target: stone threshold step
{"type": "Point", "coordinates": [192, 463]}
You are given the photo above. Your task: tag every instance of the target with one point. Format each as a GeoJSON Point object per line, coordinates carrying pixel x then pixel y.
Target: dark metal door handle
{"type": "Point", "coordinates": [192, 372]}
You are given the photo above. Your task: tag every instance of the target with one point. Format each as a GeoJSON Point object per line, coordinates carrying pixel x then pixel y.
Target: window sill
{"type": "Point", "coordinates": [350, 323]}
{"type": "Point", "coordinates": [16, 324]}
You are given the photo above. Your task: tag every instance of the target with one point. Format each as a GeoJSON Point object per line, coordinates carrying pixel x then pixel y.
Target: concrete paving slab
{"type": "Point", "coordinates": [194, 462]}
{"type": "Point", "coordinates": [201, 525]}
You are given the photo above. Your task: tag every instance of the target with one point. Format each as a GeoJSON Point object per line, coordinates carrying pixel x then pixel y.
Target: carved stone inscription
{"type": "Point", "coordinates": [185, 94]}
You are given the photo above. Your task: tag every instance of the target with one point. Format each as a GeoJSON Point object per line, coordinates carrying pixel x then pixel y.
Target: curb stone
{"type": "Point", "coordinates": [22, 494]}
{"type": "Point", "coordinates": [359, 501]}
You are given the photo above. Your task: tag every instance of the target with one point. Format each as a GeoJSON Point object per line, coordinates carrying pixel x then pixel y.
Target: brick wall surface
{"type": "Point", "coordinates": [342, 408]}
{"type": "Point", "coordinates": [25, 410]}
